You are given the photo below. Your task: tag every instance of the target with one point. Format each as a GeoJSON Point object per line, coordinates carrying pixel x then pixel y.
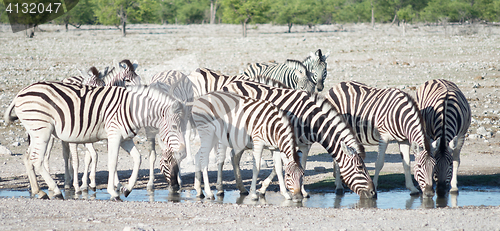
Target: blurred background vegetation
{"type": "Point", "coordinates": [282, 12]}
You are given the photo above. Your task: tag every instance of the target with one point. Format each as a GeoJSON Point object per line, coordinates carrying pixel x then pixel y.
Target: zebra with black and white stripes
{"type": "Point", "coordinates": [447, 116]}
{"type": "Point", "coordinates": [83, 114]}
{"type": "Point", "coordinates": [124, 75]}
{"type": "Point", "coordinates": [314, 120]}
{"type": "Point", "coordinates": [308, 75]}
{"type": "Point", "coordinates": [379, 116]}
{"type": "Point", "coordinates": [241, 123]}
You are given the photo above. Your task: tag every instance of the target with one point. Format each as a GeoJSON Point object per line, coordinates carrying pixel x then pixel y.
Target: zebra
{"type": "Point", "coordinates": [179, 86]}
{"type": "Point", "coordinates": [123, 76]}
{"type": "Point", "coordinates": [447, 116]}
{"type": "Point", "coordinates": [242, 123]}
{"type": "Point", "coordinates": [83, 114]}
{"type": "Point", "coordinates": [381, 115]}
{"type": "Point", "coordinates": [314, 120]}
{"type": "Point", "coordinates": [308, 75]}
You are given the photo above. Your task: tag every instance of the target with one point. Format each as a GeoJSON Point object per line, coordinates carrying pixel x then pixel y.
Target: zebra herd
{"type": "Point", "coordinates": [273, 106]}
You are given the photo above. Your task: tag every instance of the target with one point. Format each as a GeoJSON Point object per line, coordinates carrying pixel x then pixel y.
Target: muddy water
{"type": "Point", "coordinates": [395, 199]}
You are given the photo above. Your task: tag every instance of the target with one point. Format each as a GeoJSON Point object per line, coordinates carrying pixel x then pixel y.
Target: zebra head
{"type": "Point", "coordinates": [316, 65]}
{"type": "Point", "coordinates": [444, 164]}
{"type": "Point", "coordinates": [127, 75]}
{"type": "Point", "coordinates": [304, 77]}
{"type": "Point", "coordinates": [424, 168]}
{"type": "Point", "coordinates": [93, 78]}
{"type": "Point", "coordinates": [354, 173]}
{"type": "Point", "coordinates": [169, 167]}
{"type": "Point", "coordinates": [294, 174]}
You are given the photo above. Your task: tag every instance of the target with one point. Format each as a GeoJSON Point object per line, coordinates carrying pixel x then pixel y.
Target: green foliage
{"type": "Point", "coordinates": [81, 14]}
{"type": "Point", "coordinates": [245, 11]}
{"type": "Point", "coordinates": [3, 15]}
{"type": "Point", "coordinates": [407, 13]}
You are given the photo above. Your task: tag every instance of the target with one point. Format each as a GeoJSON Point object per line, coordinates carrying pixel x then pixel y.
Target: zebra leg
{"type": "Point", "coordinates": [456, 164]}
{"type": "Point", "coordinates": [74, 163]}
{"type": "Point", "coordinates": [257, 157]}
{"type": "Point", "coordinates": [201, 159]}
{"type": "Point", "coordinates": [278, 167]}
{"type": "Point", "coordinates": [40, 146]}
{"type": "Point", "coordinates": [90, 159]}
{"type": "Point", "coordinates": [235, 159]}
{"type": "Point", "coordinates": [68, 167]}
{"type": "Point", "coordinates": [113, 148]}
{"type": "Point", "coordinates": [152, 159]}
{"type": "Point", "coordinates": [47, 154]}
{"type": "Point", "coordinates": [35, 188]}
{"type": "Point", "coordinates": [339, 187]}
{"type": "Point", "coordinates": [382, 147]}
{"type": "Point", "coordinates": [129, 146]}
{"type": "Point", "coordinates": [303, 162]}
{"type": "Point", "coordinates": [404, 148]}
{"type": "Point", "coordinates": [221, 157]}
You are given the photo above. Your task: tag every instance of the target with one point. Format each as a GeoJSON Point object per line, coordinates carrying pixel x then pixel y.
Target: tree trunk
{"type": "Point", "coordinates": [373, 16]}
{"type": "Point", "coordinates": [244, 28]}
{"type": "Point", "coordinates": [66, 26]}
{"type": "Point", "coordinates": [290, 27]}
{"type": "Point", "coordinates": [213, 11]}
{"type": "Point", "coordinates": [124, 31]}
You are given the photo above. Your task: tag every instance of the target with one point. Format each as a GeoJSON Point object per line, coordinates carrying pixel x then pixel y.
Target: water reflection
{"type": "Point", "coordinates": [397, 199]}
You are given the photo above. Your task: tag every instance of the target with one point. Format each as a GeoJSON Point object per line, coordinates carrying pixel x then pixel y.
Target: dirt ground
{"type": "Point", "coordinates": [382, 57]}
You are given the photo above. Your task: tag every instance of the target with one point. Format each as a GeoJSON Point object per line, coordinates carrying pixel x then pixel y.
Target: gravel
{"type": "Point", "coordinates": [380, 56]}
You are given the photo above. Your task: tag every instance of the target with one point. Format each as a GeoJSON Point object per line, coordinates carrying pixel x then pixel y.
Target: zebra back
{"type": "Point", "coordinates": [447, 117]}
{"type": "Point", "coordinates": [316, 64]}
{"type": "Point", "coordinates": [205, 80]}
{"type": "Point", "coordinates": [292, 73]}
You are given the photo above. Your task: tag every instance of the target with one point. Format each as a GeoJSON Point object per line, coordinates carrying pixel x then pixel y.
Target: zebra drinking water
{"type": "Point", "coordinates": [381, 115]}
{"type": "Point", "coordinates": [84, 114]}
{"type": "Point", "coordinates": [308, 75]}
{"type": "Point", "coordinates": [314, 120]}
{"type": "Point", "coordinates": [243, 123]}
{"type": "Point", "coordinates": [447, 117]}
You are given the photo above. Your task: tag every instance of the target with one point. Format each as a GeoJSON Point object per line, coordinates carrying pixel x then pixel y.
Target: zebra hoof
{"type": "Point", "coordinates": [220, 192]}
{"type": "Point", "coordinates": [454, 191]}
{"type": "Point", "coordinates": [414, 193]}
{"type": "Point", "coordinates": [126, 192]}
{"type": "Point", "coordinates": [43, 196]}
{"type": "Point", "coordinates": [244, 193]}
{"type": "Point", "coordinates": [93, 188]}
{"type": "Point", "coordinates": [150, 188]}
{"type": "Point", "coordinates": [59, 197]}
{"type": "Point", "coordinates": [200, 196]}
{"type": "Point", "coordinates": [116, 199]}
{"type": "Point", "coordinates": [339, 191]}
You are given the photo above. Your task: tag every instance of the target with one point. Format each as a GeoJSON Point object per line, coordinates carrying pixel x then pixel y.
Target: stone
{"type": "Point", "coordinates": [5, 151]}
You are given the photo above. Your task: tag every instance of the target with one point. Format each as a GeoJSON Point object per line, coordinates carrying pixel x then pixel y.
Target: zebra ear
{"type": "Point", "coordinates": [318, 53]}
{"type": "Point", "coordinates": [435, 144]}
{"type": "Point", "coordinates": [135, 64]}
{"type": "Point", "coordinates": [325, 56]}
{"type": "Point", "coordinates": [453, 143]}
{"type": "Point", "coordinates": [349, 152]}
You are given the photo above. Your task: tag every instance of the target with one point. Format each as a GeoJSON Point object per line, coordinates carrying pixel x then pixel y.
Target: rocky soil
{"type": "Point", "coordinates": [382, 57]}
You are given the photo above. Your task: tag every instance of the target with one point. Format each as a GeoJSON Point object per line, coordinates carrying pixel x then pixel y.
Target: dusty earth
{"type": "Point", "coordinates": [382, 57]}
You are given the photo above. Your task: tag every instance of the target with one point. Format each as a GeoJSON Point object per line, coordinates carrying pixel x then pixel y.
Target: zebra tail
{"type": "Point", "coordinates": [8, 118]}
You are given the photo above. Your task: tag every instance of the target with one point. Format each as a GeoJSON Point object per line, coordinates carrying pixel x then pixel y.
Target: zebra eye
{"type": "Point", "coordinates": [174, 127]}
{"type": "Point", "coordinates": [360, 168]}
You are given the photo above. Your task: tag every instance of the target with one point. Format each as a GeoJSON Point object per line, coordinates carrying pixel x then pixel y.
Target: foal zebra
{"type": "Point", "coordinates": [314, 120]}
{"type": "Point", "coordinates": [381, 115]}
{"type": "Point", "coordinates": [242, 123]}
{"type": "Point", "coordinates": [447, 117]}
{"type": "Point", "coordinates": [83, 114]}
{"type": "Point", "coordinates": [123, 76]}
{"type": "Point", "coordinates": [308, 75]}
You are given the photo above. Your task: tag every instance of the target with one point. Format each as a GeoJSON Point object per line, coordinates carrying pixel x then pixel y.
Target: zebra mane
{"type": "Point", "coordinates": [326, 105]}
{"type": "Point", "coordinates": [267, 81]}
{"type": "Point", "coordinates": [298, 65]}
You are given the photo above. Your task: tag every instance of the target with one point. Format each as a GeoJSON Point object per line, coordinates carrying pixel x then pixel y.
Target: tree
{"type": "Point", "coordinates": [213, 10]}
{"type": "Point", "coordinates": [79, 15]}
{"type": "Point", "coordinates": [288, 12]}
{"type": "Point", "coordinates": [115, 12]}
{"type": "Point", "coordinates": [244, 12]}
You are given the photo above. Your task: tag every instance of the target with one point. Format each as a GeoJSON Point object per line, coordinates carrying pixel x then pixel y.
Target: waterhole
{"type": "Point", "coordinates": [395, 199]}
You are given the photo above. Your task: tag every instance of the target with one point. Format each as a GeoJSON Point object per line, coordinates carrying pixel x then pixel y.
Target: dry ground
{"type": "Point", "coordinates": [467, 55]}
